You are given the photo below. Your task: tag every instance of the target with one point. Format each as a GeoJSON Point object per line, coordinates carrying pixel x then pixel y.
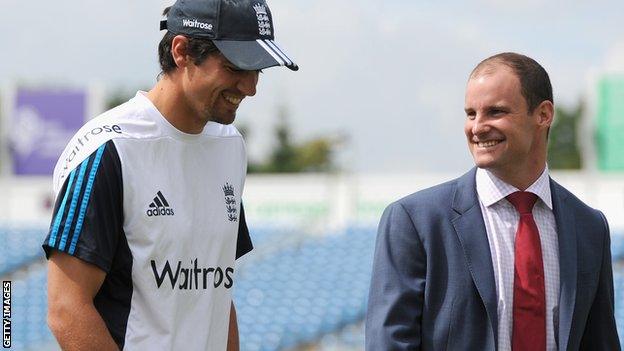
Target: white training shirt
{"type": "Point", "coordinates": [160, 211]}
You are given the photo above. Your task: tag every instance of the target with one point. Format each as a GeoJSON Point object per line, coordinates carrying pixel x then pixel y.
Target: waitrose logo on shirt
{"type": "Point", "coordinates": [192, 277]}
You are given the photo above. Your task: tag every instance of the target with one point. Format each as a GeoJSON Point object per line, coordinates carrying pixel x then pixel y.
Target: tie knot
{"type": "Point", "coordinates": [523, 201]}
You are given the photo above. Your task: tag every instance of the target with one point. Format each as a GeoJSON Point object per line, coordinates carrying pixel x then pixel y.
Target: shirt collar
{"type": "Point", "coordinates": [491, 189]}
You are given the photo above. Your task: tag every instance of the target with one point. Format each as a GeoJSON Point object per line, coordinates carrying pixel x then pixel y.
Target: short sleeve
{"type": "Point", "coordinates": [243, 243]}
{"type": "Point", "coordinates": [88, 214]}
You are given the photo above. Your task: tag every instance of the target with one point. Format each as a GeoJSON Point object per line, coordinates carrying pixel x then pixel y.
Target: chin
{"type": "Point", "coordinates": [483, 162]}
{"type": "Point", "coordinates": [225, 119]}
{"type": "Point", "coordinates": [229, 121]}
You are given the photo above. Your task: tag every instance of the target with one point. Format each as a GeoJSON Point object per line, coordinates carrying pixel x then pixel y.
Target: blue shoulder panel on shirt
{"type": "Point", "coordinates": [74, 203]}
{"type": "Point", "coordinates": [85, 198]}
{"type": "Point", "coordinates": [61, 210]}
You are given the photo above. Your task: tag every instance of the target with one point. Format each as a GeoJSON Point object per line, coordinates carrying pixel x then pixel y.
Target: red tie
{"type": "Point", "coordinates": [529, 300]}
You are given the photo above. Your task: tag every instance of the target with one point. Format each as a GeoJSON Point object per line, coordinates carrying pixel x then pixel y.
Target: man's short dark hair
{"type": "Point", "coordinates": [198, 50]}
{"type": "Point", "coordinates": [534, 81]}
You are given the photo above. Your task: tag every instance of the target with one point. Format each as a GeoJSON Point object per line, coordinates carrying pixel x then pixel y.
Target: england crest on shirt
{"type": "Point", "coordinates": [230, 202]}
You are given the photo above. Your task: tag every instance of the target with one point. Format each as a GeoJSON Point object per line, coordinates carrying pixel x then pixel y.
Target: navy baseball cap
{"type": "Point", "coordinates": [242, 30]}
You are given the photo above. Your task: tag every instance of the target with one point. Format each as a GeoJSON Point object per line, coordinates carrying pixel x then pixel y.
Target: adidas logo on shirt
{"type": "Point", "coordinates": [159, 207]}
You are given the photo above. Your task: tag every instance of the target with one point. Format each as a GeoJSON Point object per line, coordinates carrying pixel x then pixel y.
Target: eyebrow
{"type": "Point", "coordinates": [498, 107]}
{"type": "Point", "coordinates": [489, 108]}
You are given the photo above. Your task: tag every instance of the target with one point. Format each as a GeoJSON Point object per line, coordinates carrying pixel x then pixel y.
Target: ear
{"type": "Point", "coordinates": [179, 47]}
{"type": "Point", "coordinates": [545, 113]}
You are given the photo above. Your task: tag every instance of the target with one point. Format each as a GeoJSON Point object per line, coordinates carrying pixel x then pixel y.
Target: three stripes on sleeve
{"type": "Point", "coordinates": [69, 218]}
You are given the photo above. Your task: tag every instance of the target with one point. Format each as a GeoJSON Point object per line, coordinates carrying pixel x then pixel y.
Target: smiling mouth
{"type": "Point", "coordinates": [488, 144]}
{"type": "Point", "coordinates": [232, 99]}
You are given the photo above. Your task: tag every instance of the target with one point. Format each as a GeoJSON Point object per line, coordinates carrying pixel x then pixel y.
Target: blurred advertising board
{"type": "Point", "coordinates": [610, 123]}
{"type": "Point", "coordinates": [41, 122]}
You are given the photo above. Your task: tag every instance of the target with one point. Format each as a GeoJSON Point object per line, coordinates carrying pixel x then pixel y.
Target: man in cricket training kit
{"type": "Point", "coordinates": [148, 218]}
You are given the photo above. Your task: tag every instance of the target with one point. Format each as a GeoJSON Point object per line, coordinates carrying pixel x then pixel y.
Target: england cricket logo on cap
{"type": "Point", "coordinates": [264, 25]}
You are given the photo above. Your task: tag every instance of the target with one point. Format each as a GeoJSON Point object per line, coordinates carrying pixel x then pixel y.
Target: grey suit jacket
{"type": "Point", "coordinates": [433, 284]}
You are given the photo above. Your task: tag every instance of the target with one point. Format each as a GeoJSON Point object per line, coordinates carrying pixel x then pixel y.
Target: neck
{"type": "Point", "coordinates": [521, 179]}
{"type": "Point", "coordinates": [170, 101]}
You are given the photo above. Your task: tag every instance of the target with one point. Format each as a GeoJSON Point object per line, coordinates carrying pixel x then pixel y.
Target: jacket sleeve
{"type": "Point", "coordinates": [395, 304]}
{"type": "Point", "coordinates": [600, 330]}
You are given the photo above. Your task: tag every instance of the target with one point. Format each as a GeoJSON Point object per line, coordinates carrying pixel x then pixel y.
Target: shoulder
{"type": "Point", "coordinates": [590, 222]}
{"type": "Point", "coordinates": [128, 120]}
{"type": "Point", "coordinates": [575, 204]}
{"type": "Point", "coordinates": [440, 195]}
{"type": "Point", "coordinates": [424, 207]}
{"type": "Point", "coordinates": [132, 119]}
{"type": "Point", "coordinates": [434, 193]}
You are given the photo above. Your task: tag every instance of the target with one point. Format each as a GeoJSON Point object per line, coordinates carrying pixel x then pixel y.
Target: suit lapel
{"type": "Point", "coordinates": [566, 232]}
{"type": "Point", "coordinates": [472, 235]}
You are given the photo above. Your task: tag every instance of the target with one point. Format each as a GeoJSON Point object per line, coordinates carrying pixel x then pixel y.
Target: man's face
{"type": "Point", "coordinates": [215, 88]}
{"type": "Point", "coordinates": [502, 136]}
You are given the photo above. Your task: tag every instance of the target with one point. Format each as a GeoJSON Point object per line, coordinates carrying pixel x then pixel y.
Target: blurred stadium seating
{"type": "Point", "coordinates": [291, 294]}
{"type": "Point", "coordinates": [304, 292]}
{"type": "Point", "coordinates": [29, 305]}
{"type": "Point", "coordinates": [20, 246]}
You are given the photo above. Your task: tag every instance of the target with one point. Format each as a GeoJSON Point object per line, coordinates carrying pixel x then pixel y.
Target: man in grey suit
{"type": "Point", "coordinates": [502, 257]}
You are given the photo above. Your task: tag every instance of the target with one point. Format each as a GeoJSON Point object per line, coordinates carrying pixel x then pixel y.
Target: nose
{"type": "Point", "coordinates": [247, 83]}
{"type": "Point", "coordinates": [479, 125]}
